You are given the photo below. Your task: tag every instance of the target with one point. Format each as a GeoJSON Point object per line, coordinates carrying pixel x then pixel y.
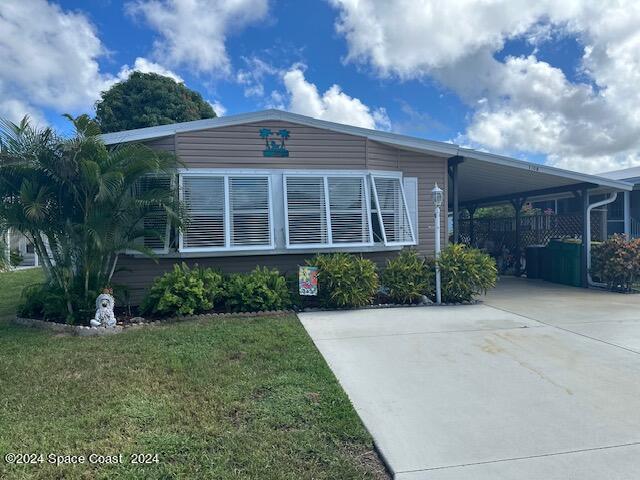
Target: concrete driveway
{"type": "Point", "coordinates": [539, 382]}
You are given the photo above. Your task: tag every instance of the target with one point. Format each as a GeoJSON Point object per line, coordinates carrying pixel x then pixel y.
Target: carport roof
{"type": "Point", "coordinates": [483, 177]}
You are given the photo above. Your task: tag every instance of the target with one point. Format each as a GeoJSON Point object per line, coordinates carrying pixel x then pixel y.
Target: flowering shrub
{"type": "Point", "coordinates": [616, 262]}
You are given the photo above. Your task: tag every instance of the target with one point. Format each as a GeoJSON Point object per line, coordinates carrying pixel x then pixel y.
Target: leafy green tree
{"type": "Point", "coordinates": [147, 100]}
{"type": "Point", "coordinates": [80, 203]}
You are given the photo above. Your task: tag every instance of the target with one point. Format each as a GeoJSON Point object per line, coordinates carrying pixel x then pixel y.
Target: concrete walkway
{"type": "Point", "coordinates": [540, 382]}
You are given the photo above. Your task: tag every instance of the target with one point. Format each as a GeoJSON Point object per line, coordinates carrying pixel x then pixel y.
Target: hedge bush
{"type": "Point", "coordinates": [465, 273]}
{"type": "Point", "coordinates": [345, 280]}
{"type": "Point", "coordinates": [184, 291]}
{"type": "Point", "coordinates": [408, 277]}
{"type": "Point", "coordinates": [262, 289]}
{"type": "Point", "coordinates": [47, 302]}
{"type": "Point", "coordinates": [616, 262]}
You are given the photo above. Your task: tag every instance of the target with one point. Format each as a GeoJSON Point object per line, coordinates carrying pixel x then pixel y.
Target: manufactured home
{"type": "Point", "coordinates": [273, 188]}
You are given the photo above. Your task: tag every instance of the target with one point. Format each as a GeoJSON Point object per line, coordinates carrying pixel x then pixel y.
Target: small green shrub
{"type": "Point", "coordinates": [184, 291]}
{"type": "Point", "coordinates": [15, 258]}
{"type": "Point", "coordinates": [262, 289]}
{"type": "Point", "coordinates": [46, 301]}
{"type": "Point", "coordinates": [465, 272]}
{"type": "Point", "coordinates": [345, 280]}
{"type": "Point", "coordinates": [408, 277]}
{"type": "Point", "coordinates": [616, 262]}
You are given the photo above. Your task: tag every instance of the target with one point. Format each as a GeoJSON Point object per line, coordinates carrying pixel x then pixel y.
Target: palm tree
{"type": "Point", "coordinates": [79, 202]}
{"type": "Point", "coordinates": [284, 135]}
{"type": "Point", "coordinates": [265, 133]}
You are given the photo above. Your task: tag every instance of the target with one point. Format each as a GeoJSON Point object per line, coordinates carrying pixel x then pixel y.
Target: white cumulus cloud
{"type": "Point", "coordinates": [192, 33]}
{"type": "Point", "coordinates": [332, 105]}
{"type": "Point", "coordinates": [587, 120]}
{"type": "Point", "coordinates": [219, 108]}
{"type": "Point", "coordinates": [144, 65]}
{"type": "Point", "coordinates": [49, 59]}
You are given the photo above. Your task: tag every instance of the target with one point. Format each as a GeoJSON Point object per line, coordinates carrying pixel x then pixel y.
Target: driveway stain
{"type": "Point", "coordinates": [491, 347]}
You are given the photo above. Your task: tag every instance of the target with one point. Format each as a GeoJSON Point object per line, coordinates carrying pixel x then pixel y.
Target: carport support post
{"type": "Point", "coordinates": [453, 173]}
{"type": "Point", "coordinates": [627, 214]}
{"type": "Point", "coordinates": [584, 281]}
{"type": "Point", "coordinates": [517, 206]}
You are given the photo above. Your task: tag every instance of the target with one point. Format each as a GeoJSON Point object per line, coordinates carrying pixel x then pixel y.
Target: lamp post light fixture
{"type": "Point", "coordinates": [437, 196]}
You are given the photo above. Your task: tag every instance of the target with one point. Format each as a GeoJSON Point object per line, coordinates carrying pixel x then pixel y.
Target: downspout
{"type": "Point", "coordinates": [606, 201]}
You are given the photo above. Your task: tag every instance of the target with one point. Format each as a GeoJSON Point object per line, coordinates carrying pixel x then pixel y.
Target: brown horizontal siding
{"type": "Point", "coordinates": [167, 144]}
{"type": "Point", "coordinates": [428, 170]}
{"type": "Point", "coordinates": [137, 274]}
{"type": "Point", "coordinates": [240, 146]}
{"type": "Point", "coordinates": [381, 157]}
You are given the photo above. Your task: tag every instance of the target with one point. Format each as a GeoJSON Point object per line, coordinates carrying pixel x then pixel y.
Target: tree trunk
{"type": "Point", "coordinates": [113, 268]}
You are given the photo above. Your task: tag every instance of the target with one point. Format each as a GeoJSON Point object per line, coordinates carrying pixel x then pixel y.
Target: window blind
{"type": "Point", "coordinates": [348, 210]}
{"type": "Point", "coordinates": [204, 200]}
{"type": "Point", "coordinates": [226, 212]}
{"type": "Point", "coordinates": [249, 212]}
{"type": "Point", "coordinates": [306, 207]}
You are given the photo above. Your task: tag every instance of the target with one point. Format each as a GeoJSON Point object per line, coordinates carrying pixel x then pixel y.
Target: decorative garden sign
{"type": "Point", "coordinates": [308, 280]}
{"type": "Point", "coordinates": [273, 148]}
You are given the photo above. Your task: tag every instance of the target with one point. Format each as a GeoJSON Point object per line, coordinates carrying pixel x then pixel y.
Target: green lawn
{"type": "Point", "coordinates": [11, 285]}
{"type": "Point", "coordinates": [216, 399]}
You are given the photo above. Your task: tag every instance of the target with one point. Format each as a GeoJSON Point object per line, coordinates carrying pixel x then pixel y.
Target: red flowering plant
{"type": "Point", "coordinates": [616, 262]}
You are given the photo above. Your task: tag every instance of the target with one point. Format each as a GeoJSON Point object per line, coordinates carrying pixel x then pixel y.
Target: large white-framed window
{"type": "Point", "coordinates": [393, 222]}
{"type": "Point", "coordinates": [226, 212]}
{"type": "Point", "coordinates": [326, 210]}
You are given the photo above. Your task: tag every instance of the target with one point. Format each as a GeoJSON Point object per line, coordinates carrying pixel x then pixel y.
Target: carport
{"type": "Point", "coordinates": [478, 179]}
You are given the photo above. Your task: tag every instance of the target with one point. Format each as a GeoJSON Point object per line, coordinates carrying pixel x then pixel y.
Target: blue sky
{"type": "Point", "coordinates": [295, 32]}
{"type": "Point", "coordinates": [548, 83]}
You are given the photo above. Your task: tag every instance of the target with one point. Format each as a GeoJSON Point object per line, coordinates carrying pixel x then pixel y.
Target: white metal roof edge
{"type": "Point", "coordinates": [427, 146]}
{"type": "Point", "coordinates": [540, 168]}
{"type": "Point", "coordinates": [631, 174]}
{"type": "Point", "coordinates": [149, 133]}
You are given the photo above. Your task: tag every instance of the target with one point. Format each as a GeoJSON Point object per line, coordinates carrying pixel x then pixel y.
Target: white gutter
{"type": "Point", "coordinates": [606, 201]}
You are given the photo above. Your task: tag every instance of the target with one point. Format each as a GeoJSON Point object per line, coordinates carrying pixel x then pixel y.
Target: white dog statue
{"type": "Point", "coordinates": [104, 312]}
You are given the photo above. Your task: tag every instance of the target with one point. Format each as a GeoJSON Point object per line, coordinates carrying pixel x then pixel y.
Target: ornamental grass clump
{"type": "Point", "coordinates": [616, 262]}
{"type": "Point", "coordinates": [345, 280]}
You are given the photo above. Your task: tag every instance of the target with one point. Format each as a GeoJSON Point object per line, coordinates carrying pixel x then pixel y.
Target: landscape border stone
{"type": "Point", "coordinates": [86, 331]}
